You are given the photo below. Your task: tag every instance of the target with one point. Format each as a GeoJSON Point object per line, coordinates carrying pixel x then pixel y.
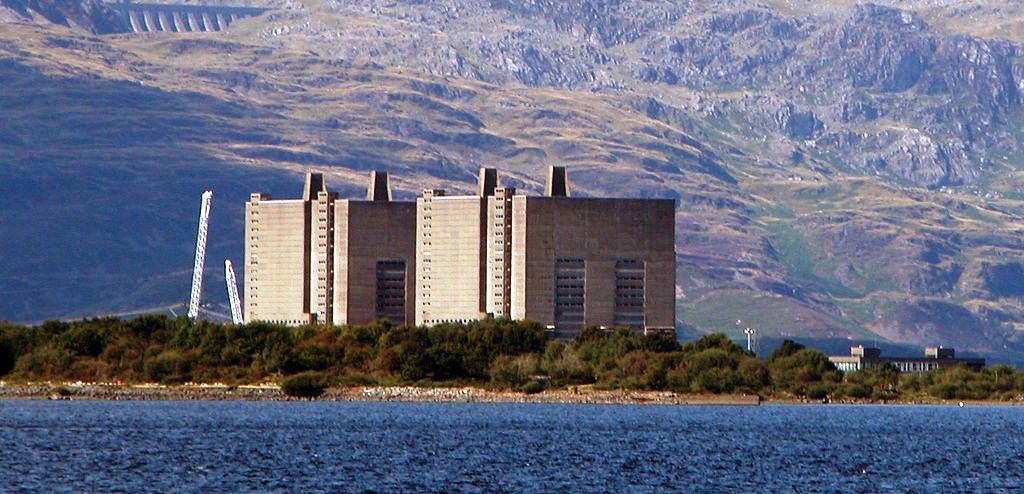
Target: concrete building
{"type": "Point", "coordinates": [277, 257]}
{"type": "Point", "coordinates": [374, 257]}
{"type": "Point", "coordinates": [594, 262]}
{"type": "Point", "coordinates": [562, 261]}
{"type": "Point", "coordinates": [565, 262]}
{"type": "Point", "coordinates": [453, 254]}
{"type": "Point", "coordinates": [321, 260]}
{"type": "Point", "coordinates": [934, 358]}
{"type": "Point", "coordinates": [321, 245]}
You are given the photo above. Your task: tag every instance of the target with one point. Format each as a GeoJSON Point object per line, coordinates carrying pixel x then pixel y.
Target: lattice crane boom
{"type": "Point", "coordinates": [236, 305]}
{"type": "Point", "coordinates": [197, 269]}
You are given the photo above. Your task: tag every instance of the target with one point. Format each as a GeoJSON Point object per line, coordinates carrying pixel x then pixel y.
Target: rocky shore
{"type": "Point", "coordinates": [219, 392]}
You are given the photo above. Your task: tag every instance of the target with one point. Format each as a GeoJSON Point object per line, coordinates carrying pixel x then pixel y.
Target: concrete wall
{"type": "Point", "coordinates": [276, 261]}
{"type": "Point", "coordinates": [151, 17]}
{"type": "Point", "coordinates": [498, 244]}
{"type": "Point", "coordinates": [321, 268]}
{"type": "Point", "coordinates": [450, 258]}
{"type": "Point", "coordinates": [601, 232]}
{"type": "Point", "coordinates": [366, 232]}
{"type": "Point", "coordinates": [326, 260]}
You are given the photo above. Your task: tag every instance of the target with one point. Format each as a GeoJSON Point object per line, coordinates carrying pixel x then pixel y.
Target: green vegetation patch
{"type": "Point", "coordinates": [501, 354]}
{"type": "Point", "coordinates": [305, 385]}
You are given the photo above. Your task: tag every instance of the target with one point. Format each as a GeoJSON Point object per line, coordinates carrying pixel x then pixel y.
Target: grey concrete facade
{"type": "Point", "coordinates": [612, 262]}
{"type": "Point", "coordinates": [276, 277]}
{"type": "Point", "coordinates": [565, 262]}
{"type": "Point", "coordinates": [499, 253]}
{"type": "Point", "coordinates": [321, 260]}
{"type": "Point", "coordinates": [374, 243]}
{"type": "Point", "coordinates": [450, 258]}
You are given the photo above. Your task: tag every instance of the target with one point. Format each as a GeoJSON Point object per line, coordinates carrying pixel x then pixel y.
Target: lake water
{"type": "Point", "coordinates": [83, 446]}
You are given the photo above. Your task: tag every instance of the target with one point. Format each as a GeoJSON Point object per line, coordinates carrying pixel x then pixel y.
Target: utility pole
{"type": "Point", "coordinates": [751, 338]}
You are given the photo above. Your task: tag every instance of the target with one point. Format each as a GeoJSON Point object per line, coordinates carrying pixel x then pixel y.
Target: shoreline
{"type": "Point", "coordinates": [270, 392]}
{"type": "Point", "coordinates": [414, 394]}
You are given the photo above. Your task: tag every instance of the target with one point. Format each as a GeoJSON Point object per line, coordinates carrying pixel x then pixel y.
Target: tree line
{"type": "Point", "coordinates": [497, 353]}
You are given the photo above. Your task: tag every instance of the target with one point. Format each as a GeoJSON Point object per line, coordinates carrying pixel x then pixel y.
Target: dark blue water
{"type": "Point", "coordinates": [83, 446]}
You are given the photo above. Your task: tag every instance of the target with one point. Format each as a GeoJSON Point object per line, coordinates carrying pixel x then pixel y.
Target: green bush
{"type": "Point", "coordinates": [507, 353]}
{"type": "Point", "coordinates": [311, 357]}
{"type": "Point", "coordinates": [532, 387]}
{"type": "Point", "coordinates": [82, 341]}
{"type": "Point", "coordinates": [884, 394]}
{"type": "Point", "coordinates": [356, 379]}
{"type": "Point", "coordinates": [946, 391]}
{"type": "Point", "coordinates": [305, 385]}
{"type": "Point", "coordinates": [168, 368]}
{"type": "Point", "coordinates": [512, 371]}
{"type": "Point", "coordinates": [44, 361]}
{"type": "Point", "coordinates": [818, 392]}
{"type": "Point", "coordinates": [793, 367]}
{"type": "Point", "coordinates": [854, 390]}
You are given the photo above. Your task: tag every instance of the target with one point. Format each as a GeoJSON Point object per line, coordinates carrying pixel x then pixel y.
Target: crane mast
{"type": "Point", "coordinates": [236, 306]}
{"type": "Point", "coordinates": [197, 269]}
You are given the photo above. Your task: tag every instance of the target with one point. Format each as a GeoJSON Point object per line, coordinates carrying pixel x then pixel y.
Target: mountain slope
{"type": "Point", "coordinates": [843, 171]}
{"type": "Point", "coordinates": [92, 16]}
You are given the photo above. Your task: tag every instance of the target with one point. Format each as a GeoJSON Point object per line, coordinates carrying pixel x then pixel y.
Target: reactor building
{"type": "Point", "coordinates": [565, 262]}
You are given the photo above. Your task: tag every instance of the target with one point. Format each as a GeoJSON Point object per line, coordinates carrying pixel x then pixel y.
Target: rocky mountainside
{"type": "Point", "coordinates": [845, 171]}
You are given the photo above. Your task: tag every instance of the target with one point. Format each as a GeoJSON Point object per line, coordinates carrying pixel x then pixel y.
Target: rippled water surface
{"type": "Point", "coordinates": [388, 447]}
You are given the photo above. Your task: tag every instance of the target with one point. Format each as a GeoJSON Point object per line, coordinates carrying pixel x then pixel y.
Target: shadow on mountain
{"type": "Point", "coordinates": [93, 16]}
{"type": "Point", "coordinates": [99, 193]}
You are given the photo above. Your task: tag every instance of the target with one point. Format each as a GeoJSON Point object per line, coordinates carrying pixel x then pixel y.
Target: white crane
{"type": "Point", "coordinates": [197, 269]}
{"type": "Point", "coordinates": [236, 306]}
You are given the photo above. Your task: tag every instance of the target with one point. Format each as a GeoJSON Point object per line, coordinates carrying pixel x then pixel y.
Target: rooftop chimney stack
{"type": "Point", "coordinates": [558, 182]}
{"type": "Point", "coordinates": [487, 182]}
{"type": "Point", "coordinates": [315, 184]}
{"type": "Point", "coordinates": [380, 187]}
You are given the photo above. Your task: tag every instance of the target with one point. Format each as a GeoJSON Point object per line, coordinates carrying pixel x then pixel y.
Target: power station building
{"type": "Point", "coordinates": [562, 261]}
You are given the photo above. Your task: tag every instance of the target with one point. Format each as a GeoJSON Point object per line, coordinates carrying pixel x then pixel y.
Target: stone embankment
{"type": "Point", "coordinates": [217, 392]}
{"type": "Point", "coordinates": [569, 395]}
{"type": "Point", "coordinates": [110, 391]}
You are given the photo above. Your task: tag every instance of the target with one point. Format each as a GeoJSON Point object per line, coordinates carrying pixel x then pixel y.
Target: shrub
{"type": "Point", "coordinates": [661, 343]}
{"type": "Point", "coordinates": [43, 361]}
{"type": "Point", "coordinates": [310, 357]}
{"type": "Point", "coordinates": [793, 367]}
{"type": "Point", "coordinates": [532, 387]}
{"type": "Point", "coordinates": [7, 357]}
{"type": "Point", "coordinates": [305, 385]}
{"type": "Point", "coordinates": [567, 368]}
{"type": "Point", "coordinates": [415, 364]}
{"type": "Point", "coordinates": [169, 367]}
{"type": "Point", "coordinates": [512, 371]}
{"type": "Point", "coordinates": [818, 392]}
{"type": "Point", "coordinates": [82, 341]}
{"type": "Point", "coordinates": [946, 391]}
{"type": "Point", "coordinates": [854, 390]}
{"type": "Point", "coordinates": [656, 378]}
{"type": "Point", "coordinates": [884, 394]}
{"type": "Point", "coordinates": [356, 379]}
